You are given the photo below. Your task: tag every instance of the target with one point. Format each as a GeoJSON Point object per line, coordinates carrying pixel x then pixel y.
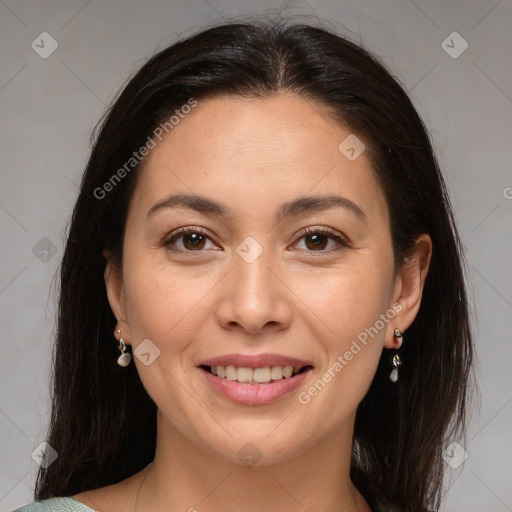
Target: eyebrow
{"type": "Point", "coordinates": [293, 208]}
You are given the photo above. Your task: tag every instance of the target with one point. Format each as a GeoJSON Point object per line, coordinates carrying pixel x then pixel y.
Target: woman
{"type": "Point", "coordinates": [263, 225]}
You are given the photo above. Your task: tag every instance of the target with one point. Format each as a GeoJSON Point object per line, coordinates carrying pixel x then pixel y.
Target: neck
{"type": "Point", "coordinates": [184, 477]}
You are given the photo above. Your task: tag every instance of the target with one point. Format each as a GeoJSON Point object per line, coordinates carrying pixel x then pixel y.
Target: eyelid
{"type": "Point", "coordinates": [340, 239]}
{"type": "Point", "coordinates": [325, 230]}
{"type": "Point", "coordinates": [186, 230]}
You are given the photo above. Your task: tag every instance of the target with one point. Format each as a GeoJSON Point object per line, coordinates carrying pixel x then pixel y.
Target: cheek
{"type": "Point", "coordinates": [161, 300]}
{"type": "Point", "coordinates": [164, 305]}
{"type": "Point", "coordinates": [349, 300]}
{"type": "Point", "coordinates": [354, 308]}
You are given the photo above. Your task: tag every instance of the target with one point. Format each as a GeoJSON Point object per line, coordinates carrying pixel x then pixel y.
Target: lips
{"type": "Point", "coordinates": [268, 389]}
{"type": "Point", "coordinates": [255, 361]}
{"type": "Point", "coordinates": [254, 394]}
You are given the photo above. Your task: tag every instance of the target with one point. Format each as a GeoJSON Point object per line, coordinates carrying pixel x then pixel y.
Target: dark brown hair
{"type": "Point", "coordinates": [103, 423]}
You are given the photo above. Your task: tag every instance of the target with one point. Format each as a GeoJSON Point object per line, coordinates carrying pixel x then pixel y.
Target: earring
{"type": "Point", "coordinates": [125, 357]}
{"type": "Point", "coordinates": [396, 362]}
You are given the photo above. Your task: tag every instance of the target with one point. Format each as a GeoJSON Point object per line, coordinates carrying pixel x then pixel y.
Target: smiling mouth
{"type": "Point", "coordinates": [261, 375]}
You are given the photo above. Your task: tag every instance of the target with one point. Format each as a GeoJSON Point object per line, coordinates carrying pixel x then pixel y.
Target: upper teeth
{"type": "Point", "coordinates": [259, 375]}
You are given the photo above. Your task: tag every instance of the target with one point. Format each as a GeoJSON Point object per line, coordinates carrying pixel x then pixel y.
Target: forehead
{"type": "Point", "coordinates": [253, 152]}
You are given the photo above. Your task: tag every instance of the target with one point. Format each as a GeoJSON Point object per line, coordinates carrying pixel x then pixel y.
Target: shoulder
{"type": "Point", "coordinates": [60, 504]}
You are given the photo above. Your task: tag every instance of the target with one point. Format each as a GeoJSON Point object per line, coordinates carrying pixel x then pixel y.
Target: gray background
{"type": "Point", "coordinates": [49, 107]}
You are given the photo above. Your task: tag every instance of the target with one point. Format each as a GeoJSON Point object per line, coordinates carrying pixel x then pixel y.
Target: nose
{"type": "Point", "coordinates": [254, 297]}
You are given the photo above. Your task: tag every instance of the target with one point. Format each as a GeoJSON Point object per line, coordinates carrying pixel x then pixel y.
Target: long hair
{"type": "Point", "coordinates": [103, 423]}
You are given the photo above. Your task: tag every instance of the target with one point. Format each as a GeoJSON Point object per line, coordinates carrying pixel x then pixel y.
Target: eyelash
{"type": "Point", "coordinates": [308, 231]}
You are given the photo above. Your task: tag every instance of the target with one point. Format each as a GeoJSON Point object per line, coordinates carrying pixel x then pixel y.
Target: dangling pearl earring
{"type": "Point", "coordinates": [393, 376]}
{"type": "Point", "coordinates": [125, 357]}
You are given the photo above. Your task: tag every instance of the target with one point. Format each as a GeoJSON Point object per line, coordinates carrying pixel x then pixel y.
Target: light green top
{"type": "Point", "coordinates": [61, 504]}
{"type": "Point", "coordinates": [69, 504]}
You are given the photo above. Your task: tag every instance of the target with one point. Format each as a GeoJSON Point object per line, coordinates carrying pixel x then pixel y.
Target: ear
{"type": "Point", "coordinates": [115, 293]}
{"type": "Point", "coordinates": [409, 287]}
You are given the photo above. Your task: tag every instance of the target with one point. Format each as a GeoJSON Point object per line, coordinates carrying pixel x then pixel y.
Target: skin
{"type": "Point", "coordinates": [252, 155]}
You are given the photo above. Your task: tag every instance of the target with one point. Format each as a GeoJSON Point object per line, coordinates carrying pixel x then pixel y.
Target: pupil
{"type": "Point", "coordinates": [318, 240]}
{"type": "Point", "coordinates": [194, 239]}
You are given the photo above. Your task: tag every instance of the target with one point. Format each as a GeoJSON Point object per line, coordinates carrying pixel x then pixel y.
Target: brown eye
{"type": "Point", "coordinates": [317, 240]}
{"type": "Point", "coordinates": [192, 240]}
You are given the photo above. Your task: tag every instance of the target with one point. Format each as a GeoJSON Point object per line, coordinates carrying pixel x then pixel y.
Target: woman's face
{"type": "Point", "coordinates": [246, 287]}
